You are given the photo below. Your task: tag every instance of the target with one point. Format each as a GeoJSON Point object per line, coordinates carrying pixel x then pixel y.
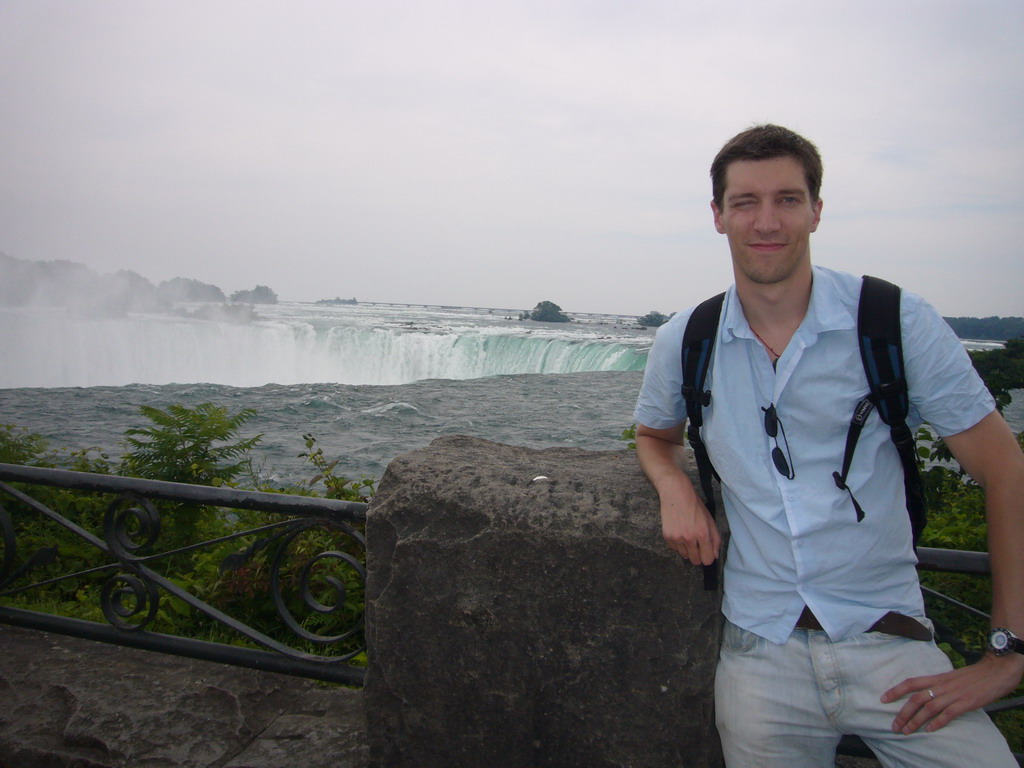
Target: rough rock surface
{"type": "Point", "coordinates": [67, 702]}
{"type": "Point", "coordinates": [524, 611]}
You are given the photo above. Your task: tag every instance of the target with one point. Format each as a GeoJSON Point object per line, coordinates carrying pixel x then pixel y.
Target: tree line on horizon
{"type": "Point", "coordinates": [987, 328]}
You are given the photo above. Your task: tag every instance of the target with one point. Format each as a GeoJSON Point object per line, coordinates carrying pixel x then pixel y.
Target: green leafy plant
{"type": "Point", "coordinates": [197, 445]}
{"type": "Point", "coordinates": [19, 446]}
{"type": "Point", "coordinates": [189, 445]}
{"type": "Point", "coordinates": [629, 435]}
{"type": "Point", "coordinates": [337, 487]}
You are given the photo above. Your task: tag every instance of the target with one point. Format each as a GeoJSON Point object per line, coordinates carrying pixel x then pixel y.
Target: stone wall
{"type": "Point", "coordinates": [524, 611]}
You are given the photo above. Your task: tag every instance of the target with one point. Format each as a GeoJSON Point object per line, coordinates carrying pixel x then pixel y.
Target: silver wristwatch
{"type": "Point", "coordinates": [1002, 641]}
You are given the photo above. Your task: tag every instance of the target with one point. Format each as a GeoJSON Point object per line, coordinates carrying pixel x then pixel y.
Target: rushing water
{"type": "Point", "coordinates": [365, 426]}
{"type": "Point", "coordinates": [385, 379]}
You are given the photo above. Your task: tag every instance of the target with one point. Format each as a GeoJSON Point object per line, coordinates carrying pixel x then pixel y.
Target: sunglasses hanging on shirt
{"type": "Point", "coordinates": [773, 426]}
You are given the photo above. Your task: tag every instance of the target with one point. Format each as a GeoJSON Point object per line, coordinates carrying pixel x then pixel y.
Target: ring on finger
{"type": "Point", "coordinates": [931, 694]}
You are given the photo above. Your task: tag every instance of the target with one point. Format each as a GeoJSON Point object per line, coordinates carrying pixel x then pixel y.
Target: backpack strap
{"type": "Point", "coordinates": [698, 344]}
{"type": "Point", "coordinates": [880, 340]}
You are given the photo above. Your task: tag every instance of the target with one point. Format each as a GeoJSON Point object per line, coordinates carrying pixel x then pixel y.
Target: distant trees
{"type": "Point", "coordinates": [258, 295]}
{"type": "Point", "coordinates": [987, 328]}
{"type": "Point", "coordinates": [546, 312]}
{"type": "Point", "coordinates": [652, 320]}
{"type": "Point", "coordinates": [185, 289]}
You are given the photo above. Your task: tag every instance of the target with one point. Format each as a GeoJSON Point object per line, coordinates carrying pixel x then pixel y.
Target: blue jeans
{"type": "Point", "coordinates": [786, 706]}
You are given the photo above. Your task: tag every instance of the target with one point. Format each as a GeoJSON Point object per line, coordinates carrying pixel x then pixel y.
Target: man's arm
{"type": "Point", "coordinates": [988, 452]}
{"type": "Point", "coordinates": [687, 526]}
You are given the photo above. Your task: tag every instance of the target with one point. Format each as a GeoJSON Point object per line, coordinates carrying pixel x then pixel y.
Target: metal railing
{"type": "Point", "coordinates": [309, 553]}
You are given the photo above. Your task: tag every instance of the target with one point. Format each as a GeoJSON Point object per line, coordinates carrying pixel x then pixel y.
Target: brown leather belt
{"type": "Point", "coordinates": [891, 624]}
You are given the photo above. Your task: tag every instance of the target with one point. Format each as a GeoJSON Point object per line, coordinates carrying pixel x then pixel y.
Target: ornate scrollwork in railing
{"type": "Point", "coordinates": [301, 562]}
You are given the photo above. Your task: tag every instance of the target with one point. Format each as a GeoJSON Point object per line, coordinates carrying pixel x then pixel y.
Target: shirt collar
{"type": "Point", "coordinates": [826, 312]}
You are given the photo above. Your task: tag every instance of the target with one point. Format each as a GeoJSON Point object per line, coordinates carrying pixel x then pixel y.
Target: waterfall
{"type": "Point", "coordinates": [56, 348]}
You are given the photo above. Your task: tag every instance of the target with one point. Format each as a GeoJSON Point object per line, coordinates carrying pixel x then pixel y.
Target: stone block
{"type": "Point", "coordinates": [523, 611]}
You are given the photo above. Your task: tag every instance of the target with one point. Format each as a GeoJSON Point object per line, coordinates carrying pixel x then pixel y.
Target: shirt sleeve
{"type": "Point", "coordinates": [945, 389]}
{"type": "Point", "coordinates": [660, 404]}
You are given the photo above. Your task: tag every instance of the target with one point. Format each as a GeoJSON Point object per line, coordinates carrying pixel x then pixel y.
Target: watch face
{"type": "Point", "coordinates": [999, 641]}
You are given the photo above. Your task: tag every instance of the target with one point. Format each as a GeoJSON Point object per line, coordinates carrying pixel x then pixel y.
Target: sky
{"type": "Point", "coordinates": [501, 153]}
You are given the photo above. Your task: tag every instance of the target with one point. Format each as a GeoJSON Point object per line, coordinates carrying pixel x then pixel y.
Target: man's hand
{"type": "Point", "coordinates": [935, 700]}
{"type": "Point", "coordinates": [686, 524]}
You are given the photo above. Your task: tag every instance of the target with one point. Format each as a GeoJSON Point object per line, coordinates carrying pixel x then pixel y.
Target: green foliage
{"type": "Point", "coordinates": [1001, 369]}
{"type": "Point", "coordinates": [234, 576]}
{"type": "Point", "coordinates": [51, 550]}
{"type": "Point", "coordinates": [189, 445]}
{"type": "Point", "coordinates": [546, 312]}
{"type": "Point", "coordinates": [19, 446]}
{"type": "Point", "coordinates": [652, 320]}
{"type": "Point", "coordinates": [337, 487]}
{"type": "Point", "coordinates": [629, 435]}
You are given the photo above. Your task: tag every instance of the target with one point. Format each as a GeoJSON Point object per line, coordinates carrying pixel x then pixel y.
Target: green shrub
{"type": "Point", "coordinates": [19, 446]}
{"type": "Point", "coordinates": [190, 445]}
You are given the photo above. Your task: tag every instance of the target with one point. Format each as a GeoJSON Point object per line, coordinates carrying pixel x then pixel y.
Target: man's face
{"type": "Point", "coordinates": [768, 215]}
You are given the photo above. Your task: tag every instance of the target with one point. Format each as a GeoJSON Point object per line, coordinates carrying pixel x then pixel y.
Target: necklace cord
{"type": "Point", "coordinates": [766, 346]}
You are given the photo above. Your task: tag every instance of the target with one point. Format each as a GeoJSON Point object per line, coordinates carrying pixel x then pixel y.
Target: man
{"type": "Point", "coordinates": [803, 660]}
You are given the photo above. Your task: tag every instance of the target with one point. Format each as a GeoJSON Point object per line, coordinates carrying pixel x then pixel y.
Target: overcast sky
{"type": "Point", "coordinates": [488, 153]}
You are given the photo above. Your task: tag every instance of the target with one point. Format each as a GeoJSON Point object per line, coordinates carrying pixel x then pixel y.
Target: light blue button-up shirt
{"type": "Point", "coordinates": [797, 542]}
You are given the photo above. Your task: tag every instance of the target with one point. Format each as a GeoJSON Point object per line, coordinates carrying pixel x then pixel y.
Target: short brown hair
{"type": "Point", "coordinates": [763, 142]}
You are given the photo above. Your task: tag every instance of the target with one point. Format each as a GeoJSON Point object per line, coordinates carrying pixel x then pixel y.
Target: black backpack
{"type": "Point", "coordinates": [881, 350]}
